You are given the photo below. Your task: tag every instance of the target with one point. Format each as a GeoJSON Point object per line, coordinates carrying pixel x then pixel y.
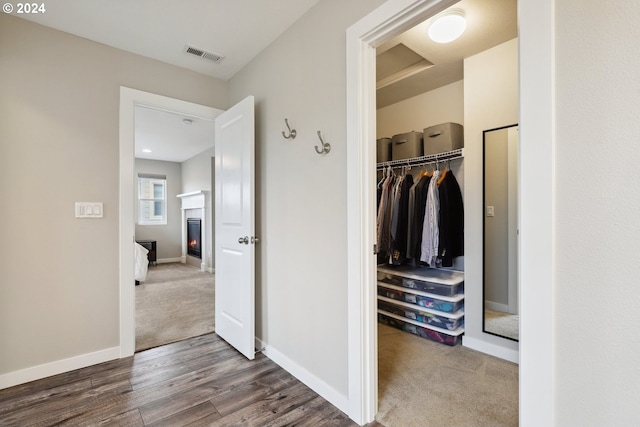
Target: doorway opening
{"type": "Point", "coordinates": [536, 216]}
{"type": "Point", "coordinates": [130, 101]}
{"type": "Point", "coordinates": [412, 105]}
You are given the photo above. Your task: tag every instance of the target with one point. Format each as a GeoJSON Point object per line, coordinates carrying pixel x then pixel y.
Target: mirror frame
{"type": "Point", "coordinates": [484, 231]}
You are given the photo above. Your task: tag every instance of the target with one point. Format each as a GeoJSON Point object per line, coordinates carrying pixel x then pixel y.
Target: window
{"type": "Point", "coordinates": [152, 199]}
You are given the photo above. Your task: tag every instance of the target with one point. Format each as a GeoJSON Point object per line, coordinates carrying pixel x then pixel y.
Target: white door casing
{"type": "Point", "coordinates": [385, 22]}
{"type": "Point", "coordinates": [129, 100]}
{"type": "Point", "coordinates": [536, 204]}
{"type": "Point", "coordinates": [235, 227]}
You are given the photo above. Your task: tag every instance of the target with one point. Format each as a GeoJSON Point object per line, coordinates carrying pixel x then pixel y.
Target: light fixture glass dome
{"type": "Point", "coordinates": [447, 27]}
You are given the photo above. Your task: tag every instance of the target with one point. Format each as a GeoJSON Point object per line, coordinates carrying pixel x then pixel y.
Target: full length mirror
{"type": "Point", "coordinates": [501, 231]}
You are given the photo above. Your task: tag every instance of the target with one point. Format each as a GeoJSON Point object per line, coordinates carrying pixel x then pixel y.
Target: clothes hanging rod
{"type": "Point", "coordinates": [422, 160]}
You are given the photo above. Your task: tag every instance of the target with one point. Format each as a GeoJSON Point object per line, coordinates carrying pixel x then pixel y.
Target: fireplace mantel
{"type": "Point", "coordinates": [194, 199]}
{"type": "Point", "coordinates": [191, 201]}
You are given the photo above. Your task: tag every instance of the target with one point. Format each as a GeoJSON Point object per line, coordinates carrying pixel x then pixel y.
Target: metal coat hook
{"type": "Point", "coordinates": [292, 132]}
{"type": "Point", "coordinates": [326, 147]}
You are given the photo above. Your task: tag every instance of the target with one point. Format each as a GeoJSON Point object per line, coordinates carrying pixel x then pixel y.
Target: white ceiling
{"type": "Point", "coordinates": [239, 30]}
{"type": "Point", "coordinates": [489, 23]}
{"type": "Point", "coordinates": [168, 137]}
{"type": "Point", "coordinates": [160, 29]}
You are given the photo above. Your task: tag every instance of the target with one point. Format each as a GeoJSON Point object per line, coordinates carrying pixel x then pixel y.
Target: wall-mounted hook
{"type": "Point", "coordinates": [326, 147]}
{"type": "Point", "coordinates": [292, 132]}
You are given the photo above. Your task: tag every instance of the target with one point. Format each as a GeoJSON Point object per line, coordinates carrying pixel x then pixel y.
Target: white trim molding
{"type": "Point", "coordinates": [337, 399]}
{"type": "Point", "coordinates": [385, 22]}
{"type": "Point", "coordinates": [512, 355]}
{"type": "Point", "coordinates": [536, 50]}
{"type": "Point", "coordinates": [536, 27]}
{"type": "Point", "coordinates": [129, 100]}
{"type": "Point", "coordinates": [58, 367]}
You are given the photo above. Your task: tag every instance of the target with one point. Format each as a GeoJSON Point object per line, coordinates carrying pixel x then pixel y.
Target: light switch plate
{"type": "Point", "coordinates": [89, 210]}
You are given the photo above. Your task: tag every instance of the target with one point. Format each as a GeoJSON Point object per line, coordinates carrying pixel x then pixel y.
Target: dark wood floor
{"type": "Point", "coordinates": [197, 382]}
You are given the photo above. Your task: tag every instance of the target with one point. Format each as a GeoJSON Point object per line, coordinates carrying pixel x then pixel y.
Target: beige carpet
{"type": "Point", "coordinates": [504, 324]}
{"type": "Point", "coordinates": [174, 303]}
{"type": "Point", "coordinates": [422, 383]}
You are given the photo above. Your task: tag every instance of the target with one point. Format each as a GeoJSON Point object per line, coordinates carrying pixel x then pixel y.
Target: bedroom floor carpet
{"type": "Point", "coordinates": [422, 383]}
{"type": "Point", "coordinates": [176, 302]}
{"type": "Point", "coordinates": [504, 324]}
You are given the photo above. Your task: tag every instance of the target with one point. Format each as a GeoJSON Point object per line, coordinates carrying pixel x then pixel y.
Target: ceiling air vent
{"type": "Point", "coordinates": [204, 54]}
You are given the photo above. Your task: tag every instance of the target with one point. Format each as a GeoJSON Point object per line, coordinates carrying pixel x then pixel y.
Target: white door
{"type": "Point", "coordinates": [234, 227]}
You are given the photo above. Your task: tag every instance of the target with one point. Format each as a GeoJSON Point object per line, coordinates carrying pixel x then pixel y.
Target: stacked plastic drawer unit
{"type": "Point", "coordinates": [423, 301]}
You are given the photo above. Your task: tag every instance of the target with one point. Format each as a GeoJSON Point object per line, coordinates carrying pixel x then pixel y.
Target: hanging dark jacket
{"type": "Point", "coordinates": [451, 220]}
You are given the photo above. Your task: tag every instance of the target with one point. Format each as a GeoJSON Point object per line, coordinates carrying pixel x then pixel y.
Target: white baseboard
{"type": "Point", "coordinates": [58, 367]}
{"type": "Point", "coordinates": [496, 306]}
{"type": "Point", "coordinates": [307, 378]}
{"type": "Point", "coordinates": [168, 260]}
{"type": "Point", "coordinates": [491, 349]}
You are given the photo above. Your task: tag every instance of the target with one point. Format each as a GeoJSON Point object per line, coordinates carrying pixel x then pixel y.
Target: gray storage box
{"type": "Point", "coordinates": [442, 138]}
{"type": "Point", "coordinates": [383, 150]}
{"type": "Point", "coordinates": [406, 145]}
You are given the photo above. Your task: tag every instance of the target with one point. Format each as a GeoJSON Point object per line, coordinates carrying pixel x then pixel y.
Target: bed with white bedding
{"type": "Point", "coordinates": [141, 262]}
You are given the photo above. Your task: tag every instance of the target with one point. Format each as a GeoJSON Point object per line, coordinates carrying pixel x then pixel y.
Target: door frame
{"type": "Point", "coordinates": [537, 137]}
{"type": "Point", "coordinates": [129, 100]}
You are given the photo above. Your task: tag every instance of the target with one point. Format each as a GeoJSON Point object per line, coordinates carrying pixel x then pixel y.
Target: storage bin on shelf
{"type": "Point", "coordinates": [406, 145]}
{"type": "Point", "coordinates": [432, 333]}
{"type": "Point", "coordinates": [383, 150]}
{"type": "Point", "coordinates": [435, 302]}
{"type": "Point", "coordinates": [449, 321]}
{"type": "Point", "coordinates": [433, 281]}
{"type": "Point", "coordinates": [443, 137]}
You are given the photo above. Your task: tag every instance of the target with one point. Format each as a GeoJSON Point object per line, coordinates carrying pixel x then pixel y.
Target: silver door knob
{"type": "Point", "coordinates": [244, 240]}
{"type": "Point", "coordinates": [255, 240]}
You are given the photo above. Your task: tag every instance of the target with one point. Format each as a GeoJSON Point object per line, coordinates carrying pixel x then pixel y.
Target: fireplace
{"type": "Point", "coordinates": [196, 207]}
{"type": "Point", "coordinates": [194, 237]}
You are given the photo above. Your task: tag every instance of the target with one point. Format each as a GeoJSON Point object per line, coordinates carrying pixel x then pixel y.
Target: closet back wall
{"type": "Point", "coordinates": [442, 105]}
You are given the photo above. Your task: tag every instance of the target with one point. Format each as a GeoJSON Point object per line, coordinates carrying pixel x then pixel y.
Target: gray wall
{"type": "Point", "coordinates": [59, 144]}
{"type": "Point", "coordinates": [59, 115]}
{"type": "Point", "coordinates": [196, 172]}
{"type": "Point", "coordinates": [168, 237]}
{"type": "Point", "coordinates": [300, 195]}
{"type": "Point", "coordinates": [490, 101]}
{"type": "Point", "coordinates": [496, 193]}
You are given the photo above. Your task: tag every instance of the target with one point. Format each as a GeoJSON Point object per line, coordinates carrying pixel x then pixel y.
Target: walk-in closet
{"type": "Point", "coordinates": [436, 102]}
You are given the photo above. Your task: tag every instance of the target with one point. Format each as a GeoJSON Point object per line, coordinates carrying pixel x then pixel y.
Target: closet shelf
{"type": "Point", "coordinates": [456, 332]}
{"type": "Point", "coordinates": [444, 336]}
{"type": "Point", "coordinates": [423, 160]}
{"type": "Point", "coordinates": [455, 299]}
{"type": "Point", "coordinates": [456, 315]}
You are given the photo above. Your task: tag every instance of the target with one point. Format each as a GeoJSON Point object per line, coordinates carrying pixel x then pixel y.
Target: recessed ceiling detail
{"type": "Point", "coordinates": [401, 74]}
{"type": "Point", "coordinates": [214, 57]}
{"type": "Point", "coordinates": [398, 63]}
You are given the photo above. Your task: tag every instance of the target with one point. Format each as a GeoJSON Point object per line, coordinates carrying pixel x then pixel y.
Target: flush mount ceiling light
{"type": "Point", "coordinates": [448, 26]}
{"type": "Point", "coordinates": [187, 122]}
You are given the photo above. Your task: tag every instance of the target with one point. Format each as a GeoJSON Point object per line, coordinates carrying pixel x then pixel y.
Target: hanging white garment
{"type": "Point", "coordinates": [430, 231]}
